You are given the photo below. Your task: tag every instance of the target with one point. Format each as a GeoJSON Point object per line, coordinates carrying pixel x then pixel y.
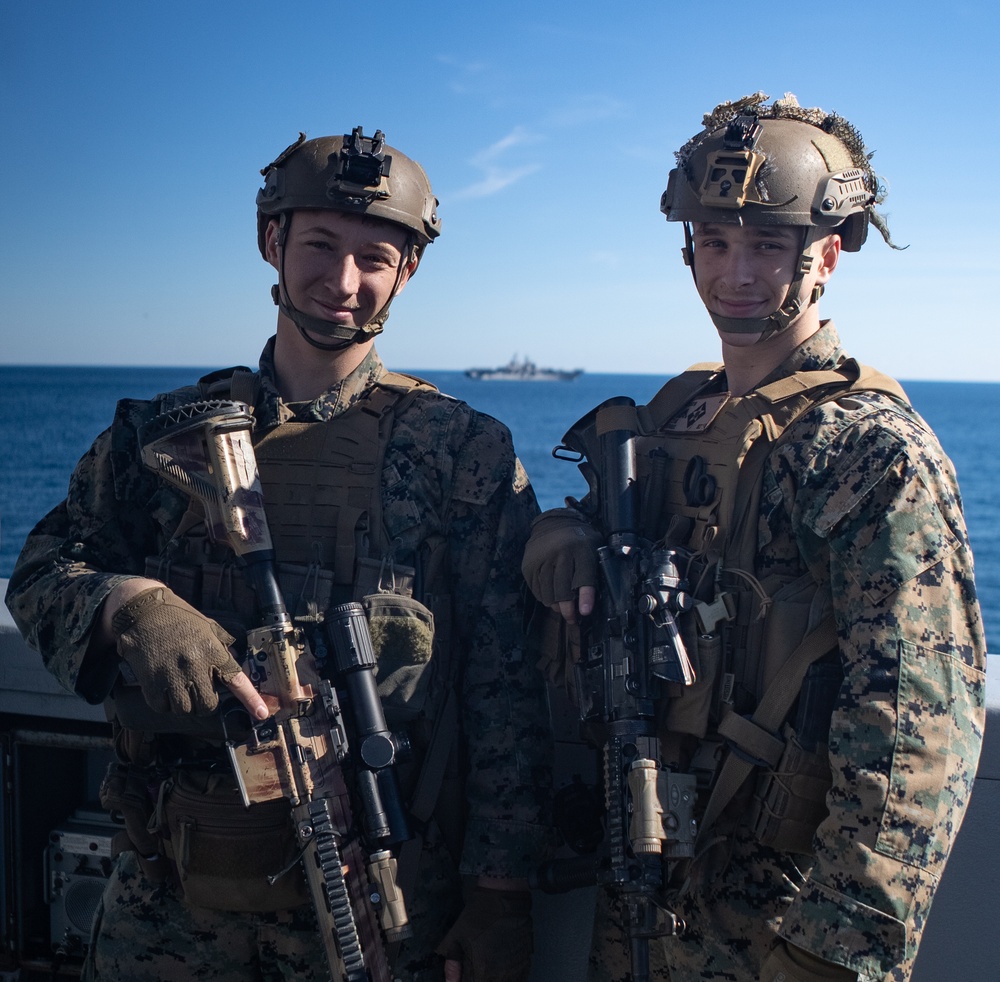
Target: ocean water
{"type": "Point", "coordinates": [50, 416]}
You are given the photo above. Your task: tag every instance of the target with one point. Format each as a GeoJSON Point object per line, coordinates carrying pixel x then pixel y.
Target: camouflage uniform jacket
{"type": "Point", "coordinates": [859, 494]}
{"type": "Point", "coordinates": [469, 488]}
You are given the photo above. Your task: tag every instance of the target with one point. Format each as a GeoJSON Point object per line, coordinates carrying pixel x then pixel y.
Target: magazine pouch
{"type": "Point", "coordinates": [225, 852]}
{"type": "Point", "coordinates": [693, 708]}
{"type": "Point", "coordinates": [124, 793]}
{"type": "Point", "coordinates": [791, 800]}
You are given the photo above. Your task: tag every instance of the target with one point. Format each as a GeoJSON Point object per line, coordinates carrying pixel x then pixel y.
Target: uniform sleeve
{"type": "Point", "coordinates": [505, 716]}
{"type": "Point", "coordinates": [72, 560]}
{"type": "Point", "coordinates": [879, 518]}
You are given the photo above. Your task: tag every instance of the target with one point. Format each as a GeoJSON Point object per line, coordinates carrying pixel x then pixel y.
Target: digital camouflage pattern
{"type": "Point", "coordinates": [448, 470]}
{"type": "Point", "coordinates": [144, 932]}
{"type": "Point", "coordinates": [860, 495]}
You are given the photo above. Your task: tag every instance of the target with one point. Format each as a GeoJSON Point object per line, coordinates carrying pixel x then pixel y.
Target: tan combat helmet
{"type": "Point", "coordinates": [356, 174]}
{"type": "Point", "coordinates": [778, 164]}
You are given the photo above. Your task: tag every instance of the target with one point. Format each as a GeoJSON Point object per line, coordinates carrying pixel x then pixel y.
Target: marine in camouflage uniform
{"type": "Point", "coordinates": [859, 512]}
{"type": "Point", "coordinates": [451, 493]}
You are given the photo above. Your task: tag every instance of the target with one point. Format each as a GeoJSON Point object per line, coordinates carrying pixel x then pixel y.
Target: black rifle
{"type": "Point", "coordinates": [297, 753]}
{"type": "Point", "coordinates": [631, 646]}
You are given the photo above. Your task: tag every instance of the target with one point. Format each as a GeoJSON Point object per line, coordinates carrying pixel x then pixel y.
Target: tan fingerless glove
{"type": "Point", "coordinates": [561, 556]}
{"type": "Point", "coordinates": [176, 653]}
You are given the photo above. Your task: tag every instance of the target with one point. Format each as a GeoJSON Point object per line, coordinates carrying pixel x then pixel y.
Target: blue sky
{"type": "Point", "coordinates": [133, 134]}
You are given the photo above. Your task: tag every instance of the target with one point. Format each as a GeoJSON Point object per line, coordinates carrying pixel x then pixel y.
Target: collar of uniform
{"type": "Point", "coordinates": [330, 404]}
{"type": "Point", "coordinates": [819, 352]}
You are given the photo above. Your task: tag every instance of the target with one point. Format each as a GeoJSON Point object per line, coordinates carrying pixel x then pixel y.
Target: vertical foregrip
{"type": "Point", "coordinates": [638, 943]}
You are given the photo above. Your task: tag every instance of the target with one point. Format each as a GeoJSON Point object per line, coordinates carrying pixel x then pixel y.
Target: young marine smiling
{"type": "Point", "coordinates": [835, 721]}
{"type": "Point", "coordinates": [378, 490]}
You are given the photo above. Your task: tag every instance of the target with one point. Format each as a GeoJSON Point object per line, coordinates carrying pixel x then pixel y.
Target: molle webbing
{"type": "Point", "coordinates": [756, 738]}
{"type": "Point", "coordinates": [321, 480]}
{"type": "Point", "coordinates": [734, 445]}
{"type": "Point", "coordinates": [321, 487]}
{"type": "Point", "coordinates": [790, 398]}
{"type": "Point", "coordinates": [728, 440]}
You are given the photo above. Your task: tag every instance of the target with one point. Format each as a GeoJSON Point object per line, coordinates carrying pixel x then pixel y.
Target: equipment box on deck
{"type": "Point", "coordinates": [55, 838]}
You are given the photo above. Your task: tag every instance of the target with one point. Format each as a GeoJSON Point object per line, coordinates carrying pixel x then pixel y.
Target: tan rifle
{"type": "Point", "coordinates": [205, 449]}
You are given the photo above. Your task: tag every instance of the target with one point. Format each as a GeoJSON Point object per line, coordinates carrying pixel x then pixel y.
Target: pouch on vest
{"type": "Point", "coordinates": [402, 631]}
{"type": "Point", "coordinates": [124, 794]}
{"type": "Point", "coordinates": [224, 852]}
{"type": "Point", "coordinates": [693, 708]}
{"type": "Point", "coordinates": [790, 801]}
{"type": "Point", "coordinates": [795, 609]}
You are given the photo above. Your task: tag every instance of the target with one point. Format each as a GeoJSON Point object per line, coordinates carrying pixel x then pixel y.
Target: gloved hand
{"type": "Point", "coordinates": [492, 937]}
{"type": "Point", "coordinates": [788, 963]}
{"type": "Point", "coordinates": [176, 653]}
{"type": "Point", "coordinates": [561, 556]}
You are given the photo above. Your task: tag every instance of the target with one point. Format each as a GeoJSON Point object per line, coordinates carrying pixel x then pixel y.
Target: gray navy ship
{"type": "Point", "coordinates": [523, 370]}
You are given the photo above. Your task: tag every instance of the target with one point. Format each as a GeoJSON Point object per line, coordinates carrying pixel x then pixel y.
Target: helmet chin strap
{"type": "Point", "coordinates": [340, 337]}
{"type": "Point", "coordinates": [792, 306]}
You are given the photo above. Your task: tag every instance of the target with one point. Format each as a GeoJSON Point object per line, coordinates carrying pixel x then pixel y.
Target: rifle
{"type": "Point", "coordinates": [298, 753]}
{"type": "Point", "coordinates": [631, 646]}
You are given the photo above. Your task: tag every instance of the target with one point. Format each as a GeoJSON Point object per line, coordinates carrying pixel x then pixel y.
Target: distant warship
{"type": "Point", "coordinates": [523, 370]}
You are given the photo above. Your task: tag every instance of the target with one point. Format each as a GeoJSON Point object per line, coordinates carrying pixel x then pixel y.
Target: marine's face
{"type": "Point", "coordinates": [339, 267]}
{"type": "Point", "coordinates": [745, 270]}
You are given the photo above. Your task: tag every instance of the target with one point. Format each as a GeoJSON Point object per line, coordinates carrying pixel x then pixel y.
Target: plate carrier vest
{"type": "Point", "coordinates": [701, 455]}
{"type": "Point", "coordinates": [321, 486]}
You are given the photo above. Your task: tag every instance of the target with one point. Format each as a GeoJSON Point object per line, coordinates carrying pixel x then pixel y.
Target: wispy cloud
{"type": "Point", "coordinates": [498, 172]}
{"type": "Point", "coordinates": [496, 180]}
{"type": "Point", "coordinates": [588, 109]}
{"type": "Point", "coordinates": [517, 137]}
{"type": "Point", "coordinates": [469, 75]}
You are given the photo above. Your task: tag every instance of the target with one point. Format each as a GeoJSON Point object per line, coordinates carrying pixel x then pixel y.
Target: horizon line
{"type": "Point", "coordinates": [412, 369]}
